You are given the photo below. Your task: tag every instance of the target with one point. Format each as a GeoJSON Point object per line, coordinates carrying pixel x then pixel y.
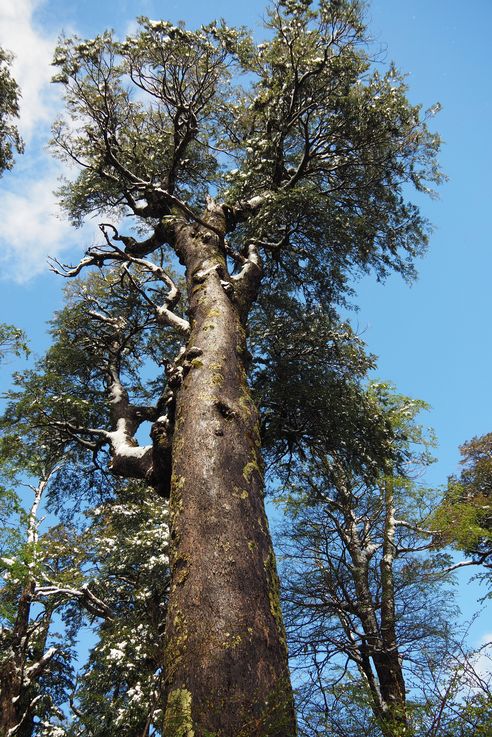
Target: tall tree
{"type": "Point", "coordinates": [321, 149]}
{"type": "Point", "coordinates": [10, 139]}
{"type": "Point", "coordinates": [361, 593]}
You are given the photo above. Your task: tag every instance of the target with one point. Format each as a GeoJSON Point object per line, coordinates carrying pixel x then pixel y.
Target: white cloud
{"type": "Point", "coordinates": [32, 229]}
{"type": "Point", "coordinates": [483, 661]}
{"type": "Point", "coordinates": [31, 224]}
{"type": "Point", "coordinates": [31, 68]}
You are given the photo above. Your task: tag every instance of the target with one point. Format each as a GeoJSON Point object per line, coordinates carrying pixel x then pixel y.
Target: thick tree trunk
{"type": "Point", "coordinates": [393, 720]}
{"type": "Point", "coordinates": [9, 696]}
{"type": "Point", "coordinates": [227, 672]}
{"type": "Point", "coordinates": [14, 700]}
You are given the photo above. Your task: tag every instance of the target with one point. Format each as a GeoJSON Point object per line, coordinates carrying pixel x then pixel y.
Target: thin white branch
{"type": "Point", "coordinates": [414, 528]}
{"type": "Point", "coordinates": [456, 566]}
{"type": "Point", "coordinates": [92, 602]}
{"type": "Point", "coordinates": [167, 317]}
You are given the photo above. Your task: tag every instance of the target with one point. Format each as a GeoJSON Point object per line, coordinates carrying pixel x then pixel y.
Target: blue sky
{"type": "Point", "coordinates": [433, 338]}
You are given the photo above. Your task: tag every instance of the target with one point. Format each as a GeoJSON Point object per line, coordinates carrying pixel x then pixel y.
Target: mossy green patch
{"type": "Point", "coordinates": [274, 594]}
{"type": "Point", "coordinates": [231, 641]}
{"type": "Point", "coordinates": [178, 720]}
{"type": "Point", "coordinates": [249, 468]}
{"type": "Point", "coordinates": [240, 493]}
{"type": "Point", "coordinates": [177, 482]}
{"type": "Point", "coordinates": [180, 569]}
{"type": "Point", "coordinates": [217, 378]}
{"type": "Point", "coordinates": [245, 404]}
{"type": "Point", "coordinates": [176, 500]}
{"type": "Point", "coordinates": [176, 645]}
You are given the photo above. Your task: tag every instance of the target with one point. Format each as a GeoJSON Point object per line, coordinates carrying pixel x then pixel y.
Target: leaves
{"type": "Point", "coordinates": [464, 518]}
{"type": "Point", "coordinates": [12, 340]}
{"type": "Point", "coordinates": [10, 139]}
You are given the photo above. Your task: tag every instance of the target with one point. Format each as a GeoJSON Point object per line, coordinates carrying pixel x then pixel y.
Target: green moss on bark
{"type": "Point", "coordinates": [178, 720]}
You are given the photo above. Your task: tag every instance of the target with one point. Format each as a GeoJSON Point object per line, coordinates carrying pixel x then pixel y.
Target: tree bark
{"type": "Point", "coordinates": [15, 695]}
{"type": "Point", "coordinates": [389, 665]}
{"type": "Point", "coordinates": [226, 655]}
{"type": "Point", "coordinates": [10, 686]}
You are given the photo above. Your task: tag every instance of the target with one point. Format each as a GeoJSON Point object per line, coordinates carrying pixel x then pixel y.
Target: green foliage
{"type": "Point", "coordinates": [308, 377]}
{"type": "Point", "coordinates": [67, 388]}
{"type": "Point", "coordinates": [333, 143]}
{"type": "Point", "coordinates": [463, 518]}
{"type": "Point", "coordinates": [300, 119]}
{"type": "Point", "coordinates": [463, 521]}
{"type": "Point", "coordinates": [9, 507]}
{"type": "Point", "coordinates": [12, 340]}
{"type": "Point", "coordinates": [10, 139]}
{"type": "Point", "coordinates": [95, 75]}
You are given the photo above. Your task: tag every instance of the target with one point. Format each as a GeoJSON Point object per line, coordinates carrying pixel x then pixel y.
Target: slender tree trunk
{"type": "Point", "coordinates": [15, 695]}
{"type": "Point", "coordinates": [227, 672]}
{"type": "Point", "coordinates": [381, 642]}
{"type": "Point", "coordinates": [390, 672]}
{"type": "Point", "coordinates": [393, 720]}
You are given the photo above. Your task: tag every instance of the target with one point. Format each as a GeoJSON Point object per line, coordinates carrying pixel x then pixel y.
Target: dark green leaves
{"type": "Point", "coordinates": [10, 140]}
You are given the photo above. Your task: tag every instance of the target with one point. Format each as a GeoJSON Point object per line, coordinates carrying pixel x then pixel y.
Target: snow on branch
{"type": "Point", "coordinates": [164, 313]}
{"type": "Point", "coordinates": [39, 666]}
{"type": "Point", "coordinates": [92, 603]}
{"type": "Point", "coordinates": [246, 283]}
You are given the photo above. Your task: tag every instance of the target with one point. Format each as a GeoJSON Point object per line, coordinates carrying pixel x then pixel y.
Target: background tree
{"type": "Point", "coordinates": [464, 517]}
{"type": "Point", "coordinates": [12, 340]}
{"type": "Point", "coordinates": [459, 695]}
{"type": "Point", "coordinates": [321, 150]}
{"type": "Point", "coordinates": [367, 618]}
{"type": "Point", "coordinates": [35, 665]}
{"type": "Point", "coordinates": [104, 571]}
{"type": "Point", "coordinates": [10, 139]}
